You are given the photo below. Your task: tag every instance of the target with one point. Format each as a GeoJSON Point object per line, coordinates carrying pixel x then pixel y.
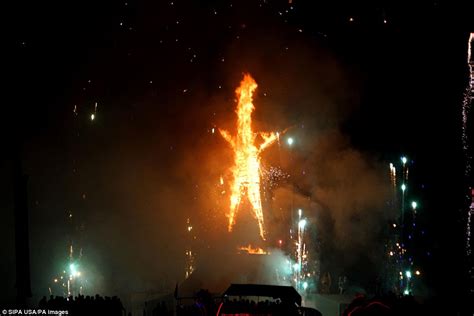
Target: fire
{"type": "Point", "coordinates": [253, 251]}
{"type": "Point", "coordinates": [246, 169]}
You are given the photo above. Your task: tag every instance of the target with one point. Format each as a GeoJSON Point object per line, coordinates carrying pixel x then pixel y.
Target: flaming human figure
{"type": "Point", "coordinates": [246, 169]}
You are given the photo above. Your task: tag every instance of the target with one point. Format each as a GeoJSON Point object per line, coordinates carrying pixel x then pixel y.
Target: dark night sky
{"type": "Point", "coordinates": [163, 73]}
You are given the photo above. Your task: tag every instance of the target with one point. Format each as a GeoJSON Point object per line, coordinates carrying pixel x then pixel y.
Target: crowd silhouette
{"type": "Point", "coordinates": [205, 304]}
{"type": "Point", "coordinates": [84, 305]}
{"type": "Point", "coordinates": [265, 307]}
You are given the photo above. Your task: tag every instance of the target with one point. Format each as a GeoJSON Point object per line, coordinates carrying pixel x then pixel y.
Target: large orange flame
{"type": "Point", "coordinates": [246, 169]}
{"type": "Point", "coordinates": [253, 251]}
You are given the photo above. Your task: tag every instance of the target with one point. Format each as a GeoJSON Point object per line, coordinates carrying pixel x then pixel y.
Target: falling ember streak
{"type": "Point", "coordinates": [246, 169]}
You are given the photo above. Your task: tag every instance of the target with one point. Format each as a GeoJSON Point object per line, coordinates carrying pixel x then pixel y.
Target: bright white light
{"type": "Point", "coordinates": [290, 141]}
{"type": "Point", "coordinates": [404, 160]}
{"type": "Point", "coordinates": [72, 267]}
{"type": "Point", "coordinates": [300, 212]}
{"type": "Point", "coordinates": [92, 116]}
{"type": "Point", "coordinates": [404, 187]}
{"type": "Point", "coordinates": [408, 274]}
{"type": "Point", "coordinates": [302, 224]}
{"type": "Point", "coordinates": [296, 267]}
{"type": "Point", "coordinates": [305, 285]}
{"type": "Point", "coordinates": [406, 292]}
{"type": "Point", "coordinates": [414, 205]}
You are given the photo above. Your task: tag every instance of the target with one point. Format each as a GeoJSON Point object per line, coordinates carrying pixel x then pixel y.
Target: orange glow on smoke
{"type": "Point", "coordinates": [253, 251]}
{"type": "Point", "coordinates": [246, 169]}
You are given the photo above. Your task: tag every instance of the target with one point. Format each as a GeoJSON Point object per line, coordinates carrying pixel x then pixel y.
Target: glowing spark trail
{"type": "Point", "coordinates": [246, 169]}
{"type": "Point", "coordinates": [466, 105]}
{"type": "Point", "coordinates": [190, 254]}
{"type": "Point", "coordinates": [393, 177]}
